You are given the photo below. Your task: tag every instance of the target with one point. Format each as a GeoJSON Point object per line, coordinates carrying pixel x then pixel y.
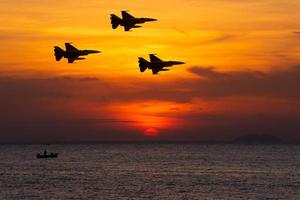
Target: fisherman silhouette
{"type": "Point", "coordinates": [46, 155]}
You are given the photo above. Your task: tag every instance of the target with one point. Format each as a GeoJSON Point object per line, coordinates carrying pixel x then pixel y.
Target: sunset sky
{"type": "Point", "coordinates": [242, 71]}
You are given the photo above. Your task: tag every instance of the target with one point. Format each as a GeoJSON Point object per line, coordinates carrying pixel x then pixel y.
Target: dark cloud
{"type": "Point", "coordinates": [209, 84]}
{"type": "Point", "coordinates": [25, 97]}
{"type": "Point", "coordinates": [63, 108]}
{"type": "Point", "coordinates": [279, 83]}
{"type": "Point", "coordinates": [67, 131]}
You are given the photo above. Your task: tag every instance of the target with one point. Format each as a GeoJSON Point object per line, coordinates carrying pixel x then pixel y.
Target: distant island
{"type": "Point", "coordinates": [257, 139]}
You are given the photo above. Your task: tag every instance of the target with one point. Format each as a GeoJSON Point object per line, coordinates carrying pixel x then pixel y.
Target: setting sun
{"type": "Point", "coordinates": [151, 132]}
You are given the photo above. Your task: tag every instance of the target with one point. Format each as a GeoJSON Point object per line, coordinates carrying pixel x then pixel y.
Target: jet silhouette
{"type": "Point", "coordinates": [156, 64]}
{"type": "Point", "coordinates": [71, 53]}
{"type": "Point", "coordinates": [128, 21]}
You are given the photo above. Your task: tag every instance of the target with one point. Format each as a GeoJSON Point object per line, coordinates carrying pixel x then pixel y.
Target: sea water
{"type": "Point", "coordinates": [151, 171]}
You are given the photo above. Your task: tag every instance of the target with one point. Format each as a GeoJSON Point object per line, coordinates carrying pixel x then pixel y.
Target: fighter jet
{"type": "Point", "coordinates": [71, 53]}
{"type": "Point", "coordinates": [128, 21]}
{"type": "Point", "coordinates": [156, 64]}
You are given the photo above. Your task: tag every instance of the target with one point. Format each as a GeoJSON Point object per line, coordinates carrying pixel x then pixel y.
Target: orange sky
{"type": "Point", "coordinates": [241, 56]}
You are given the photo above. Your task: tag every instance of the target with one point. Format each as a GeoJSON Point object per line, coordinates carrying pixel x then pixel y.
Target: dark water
{"type": "Point", "coordinates": [156, 171]}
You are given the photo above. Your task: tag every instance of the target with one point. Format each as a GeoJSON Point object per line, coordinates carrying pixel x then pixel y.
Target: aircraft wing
{"type": "Point", "coordinates": [128, 27]}
{"type": "Point", "coordinates": [153, 58]}
{"type": "Point", "coordinates": [155, 70]}
{"type": "Point", "coordinates": [126, 15]}
{"type": "Point", "coordinates": [69, 47]}
{"type": "Point", "coordinates": [71, 60]}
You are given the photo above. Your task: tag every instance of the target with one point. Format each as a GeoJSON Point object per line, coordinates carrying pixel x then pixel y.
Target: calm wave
{"type": "Point", "coordinates": [151, 171]}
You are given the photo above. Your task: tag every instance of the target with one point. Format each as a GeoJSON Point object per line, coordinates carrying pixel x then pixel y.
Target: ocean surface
{"type": "Point", "coordinates": [151, 171]}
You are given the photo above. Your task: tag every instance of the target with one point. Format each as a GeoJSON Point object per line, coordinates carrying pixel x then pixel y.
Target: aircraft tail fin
{"type": "Point", "coordinates": [59, 53]}
{"type": "Point", "coordinates": [115, 21]}
{"type": "Point", "coordinates": [143, 64]}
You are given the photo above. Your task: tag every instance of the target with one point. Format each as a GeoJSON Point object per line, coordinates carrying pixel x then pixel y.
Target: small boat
{"type": "Point", "coordinates": [45, 155]}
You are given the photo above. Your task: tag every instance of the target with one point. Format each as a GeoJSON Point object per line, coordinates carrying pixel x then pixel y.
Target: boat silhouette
{"type": "Point", "coordinates": [46, 155]}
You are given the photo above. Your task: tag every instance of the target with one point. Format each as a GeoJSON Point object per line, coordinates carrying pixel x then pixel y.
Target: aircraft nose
{"type": "Point", "coordinates": [152, 19]}
{"type": "Point", "coordinates": [179, 63]}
